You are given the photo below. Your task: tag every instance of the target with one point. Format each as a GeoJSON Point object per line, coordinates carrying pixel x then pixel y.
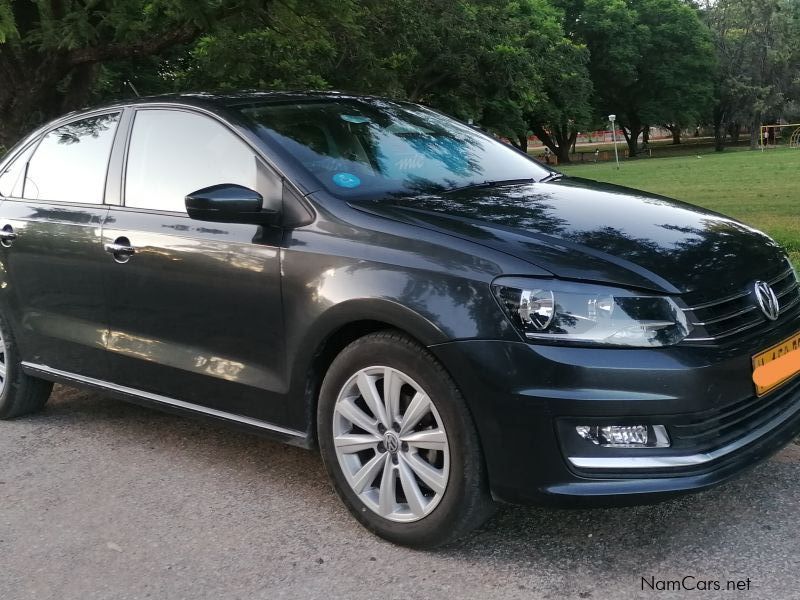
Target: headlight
{"type": "Point", "coordinates": [586, 313]}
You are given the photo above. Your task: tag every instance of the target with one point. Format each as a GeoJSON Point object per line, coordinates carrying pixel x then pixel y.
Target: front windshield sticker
{"type": "Point", "coordinates": [346, 180]}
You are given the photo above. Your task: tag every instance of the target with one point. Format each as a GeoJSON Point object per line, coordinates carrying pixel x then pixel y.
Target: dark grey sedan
{"type": "Point", "coordinates": [450, 322]}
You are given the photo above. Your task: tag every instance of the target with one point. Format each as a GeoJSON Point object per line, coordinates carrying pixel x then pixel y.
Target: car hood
{"type": "Point", "coordinates": [581, 229]}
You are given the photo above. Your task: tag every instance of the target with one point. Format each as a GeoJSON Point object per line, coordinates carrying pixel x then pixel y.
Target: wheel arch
{"type": "Point", "coordinates": [334, 331]}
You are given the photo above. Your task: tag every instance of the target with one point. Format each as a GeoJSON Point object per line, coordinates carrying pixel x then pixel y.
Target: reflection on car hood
{"type": "Point", "coordinates": [582, 229]}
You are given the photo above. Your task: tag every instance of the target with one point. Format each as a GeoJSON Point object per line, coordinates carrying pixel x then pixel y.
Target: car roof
{"type": "Point", "coordinates": [217, 102]}
{"type": "Point", "coordinates": [227, 100]}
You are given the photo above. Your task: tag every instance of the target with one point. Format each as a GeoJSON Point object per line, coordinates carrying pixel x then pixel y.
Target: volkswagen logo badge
{"type": "Point", "coordinates": [767, 300]}
{"type": "Point", "coordinates": [392, 442]}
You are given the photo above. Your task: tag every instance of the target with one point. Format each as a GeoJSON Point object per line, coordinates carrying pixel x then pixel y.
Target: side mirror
{"type": "Point", "coordinates": [229, 203]}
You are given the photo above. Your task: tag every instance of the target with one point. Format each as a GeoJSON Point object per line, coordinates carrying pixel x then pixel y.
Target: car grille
{"type": "Point", "coordinates": [717, 427]}
{"type": "Point", "coordinates": [724, 319]}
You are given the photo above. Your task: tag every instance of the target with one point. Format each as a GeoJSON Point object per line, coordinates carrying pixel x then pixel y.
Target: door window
{"type": "Point", "coordinates": [174, 153]}
{"type": "Point", "coordinates": [71, 163]}
{"type": "Point", "coordinates": [11, 177]}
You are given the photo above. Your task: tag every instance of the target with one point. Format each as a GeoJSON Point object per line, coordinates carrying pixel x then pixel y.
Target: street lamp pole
{"type": "Point", "coordinates": [613, 119]}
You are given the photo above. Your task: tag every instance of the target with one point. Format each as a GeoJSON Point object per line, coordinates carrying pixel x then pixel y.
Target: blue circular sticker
{"type": "Point", "coordinates": [346, 180]}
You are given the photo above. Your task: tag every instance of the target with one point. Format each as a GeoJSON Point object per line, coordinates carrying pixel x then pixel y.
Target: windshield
{"type": "Point", "coordinates": [379, 148]}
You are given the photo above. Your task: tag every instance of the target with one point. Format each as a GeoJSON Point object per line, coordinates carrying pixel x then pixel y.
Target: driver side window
{"type": "Point", "coordinates": [173, 153]}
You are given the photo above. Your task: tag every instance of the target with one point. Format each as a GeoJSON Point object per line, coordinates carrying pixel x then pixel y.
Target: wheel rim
{"type": "Point", "coordinates": [391, 444]}
{"type": "Point", "coordinates": [3, 365]}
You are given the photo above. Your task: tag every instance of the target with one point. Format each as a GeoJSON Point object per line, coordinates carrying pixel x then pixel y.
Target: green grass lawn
{"type": "Point", "coordinates": [760, 189]}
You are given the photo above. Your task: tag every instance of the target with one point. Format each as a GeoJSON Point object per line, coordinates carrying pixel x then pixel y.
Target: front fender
{"type": "Point", "coordinates": [433, 292]}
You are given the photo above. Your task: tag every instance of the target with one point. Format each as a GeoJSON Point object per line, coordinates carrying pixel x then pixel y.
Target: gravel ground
{"type": "Point", "coordinates": [100, 499]}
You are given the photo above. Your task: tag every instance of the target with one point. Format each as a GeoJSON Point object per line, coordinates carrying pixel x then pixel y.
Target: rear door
{"type": "Point", "coordinates": [50, 246]}
{"type": "Point", "coordinates": [194, 308]}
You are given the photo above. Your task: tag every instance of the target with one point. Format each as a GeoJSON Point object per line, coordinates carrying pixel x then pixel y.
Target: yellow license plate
{"type": "Point", "coordinates": [776, 365]}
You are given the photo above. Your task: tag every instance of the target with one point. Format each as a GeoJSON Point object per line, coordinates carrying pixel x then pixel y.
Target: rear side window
{"type": "Point", "coordinates": [11, 178]}
{"type": "Point", "coordinates": [71, 163]}
{"type": "Point", "coordinates": [174, 153]}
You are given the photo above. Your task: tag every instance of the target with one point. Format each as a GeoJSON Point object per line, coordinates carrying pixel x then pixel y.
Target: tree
{"type": "Point", "coordinates": [300, 46]}
{"type": "Point", "coordinates": [505, 64]}
{"type": "Point", "coordinates": [652, 60]}
{"type": "Point", "coordinates": [476, 59]}
{"type": "Point", "coordinates": [755, 42]}
{"type": "Point", "coordinates": [484, 60]}
{"type": "Point", "coordinates": [51, 51]}
{"type": "Point", "coordinates": [567, 87]}
{"type": "Point", "coordinates": [567, 108]}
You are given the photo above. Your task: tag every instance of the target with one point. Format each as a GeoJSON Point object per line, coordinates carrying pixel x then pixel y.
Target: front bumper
{"type": "Point", "coordinates": [524, 398]}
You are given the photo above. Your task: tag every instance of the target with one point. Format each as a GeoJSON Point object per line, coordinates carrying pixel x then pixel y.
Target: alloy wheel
{"type": "Point", "coordinates": [391, 444]}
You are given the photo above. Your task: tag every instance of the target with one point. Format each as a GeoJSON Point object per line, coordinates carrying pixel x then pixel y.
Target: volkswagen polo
{"type": "Point", "coordinates": [451, 323]}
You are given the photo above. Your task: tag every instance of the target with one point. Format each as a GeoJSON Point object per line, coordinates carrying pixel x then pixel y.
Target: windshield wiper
{"type": "Point", "coordinates": [489, 183]}
{"type": "Point", "coordinates": [553, 176]}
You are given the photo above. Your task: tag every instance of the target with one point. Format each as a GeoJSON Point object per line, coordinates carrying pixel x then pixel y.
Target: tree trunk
{"type": "Point", "coordinates": [735, 132]}
{"type": "Point", "coordinates": [78, 89]}
{"type": "Point", "coordinates": [632, 133]}
{"type": "Point", "coordinates": [563, 155]}
{"type": "Point", "coordinates": [755, 131]}
{"type": "Point", "coordinates": [719, 134]}
{"type": "Point", "coordinates": [523, 142]}
{"type": "Point", "coordinates": [675, 130]}
{"type": "Point", "coordinates": [719, 138]}
{"type": "Point", "coordinates": [565, 137]}
{"type": "Point", "coordinates": [560, 139]}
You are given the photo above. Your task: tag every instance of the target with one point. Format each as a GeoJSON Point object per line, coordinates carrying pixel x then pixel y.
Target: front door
{"type": "Point", "coordinates": [194, 308]}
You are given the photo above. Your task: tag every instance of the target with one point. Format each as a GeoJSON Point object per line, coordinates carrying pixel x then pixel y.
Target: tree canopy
{"type": "Point", "coordinates": [516, 67]}
{"type": "Point", "coordinates": [757, 48]}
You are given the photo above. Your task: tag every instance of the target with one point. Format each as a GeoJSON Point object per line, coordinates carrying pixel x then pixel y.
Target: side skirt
{"type": "Point", "coordinates": [289, 436]}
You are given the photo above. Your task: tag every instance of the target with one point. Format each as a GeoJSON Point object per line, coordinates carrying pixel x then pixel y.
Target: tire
{"type": "Point", "coordinates": [20, 394]}
{"type": "Point", "coordinates": [421, 482]}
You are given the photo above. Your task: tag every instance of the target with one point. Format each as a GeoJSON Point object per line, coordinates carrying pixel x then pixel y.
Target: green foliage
{"type": "Point", "coordinates": [51, 51]}
{"type": "Point", "coordinates": [652, 61]}
{"type": "Point", "coordinates": [486, 60]}
{"type": "Point", "coordinates": [515, 66]}
{"type": "Point", "coordinates": [299, 47]}
{"type": "Point", "coordinates": [8, 25]}
{"type": "Point", "coordinates": [759, 62]}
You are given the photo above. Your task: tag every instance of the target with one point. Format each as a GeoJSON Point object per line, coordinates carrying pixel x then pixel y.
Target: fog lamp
{"type": "Point", "coordinates": [625, 436]}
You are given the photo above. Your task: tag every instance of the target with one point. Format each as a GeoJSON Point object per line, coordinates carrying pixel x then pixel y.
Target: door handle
{"type": "Point", "coordinates": [7, 236]}
{"type": "Point", "coordinates": [121, 250]}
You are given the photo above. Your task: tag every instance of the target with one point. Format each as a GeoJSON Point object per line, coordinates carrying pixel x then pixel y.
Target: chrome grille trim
{"type": "Point", "coordinates": [718, 302]}
{"type": "Point", "coordinates": [786, 290]}
{"type": "Point", "coordinates": [726, 317]}
{"type": "Point", "coordinates": [790, 305]}
{"type": "Point", "coordinates": [725, 334]}
{"type": "Point", "coordinates": [783, 275]}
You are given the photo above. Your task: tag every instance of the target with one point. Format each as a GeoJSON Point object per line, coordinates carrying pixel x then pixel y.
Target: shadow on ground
{"type": "Point", "coordinates": [204, 470]}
